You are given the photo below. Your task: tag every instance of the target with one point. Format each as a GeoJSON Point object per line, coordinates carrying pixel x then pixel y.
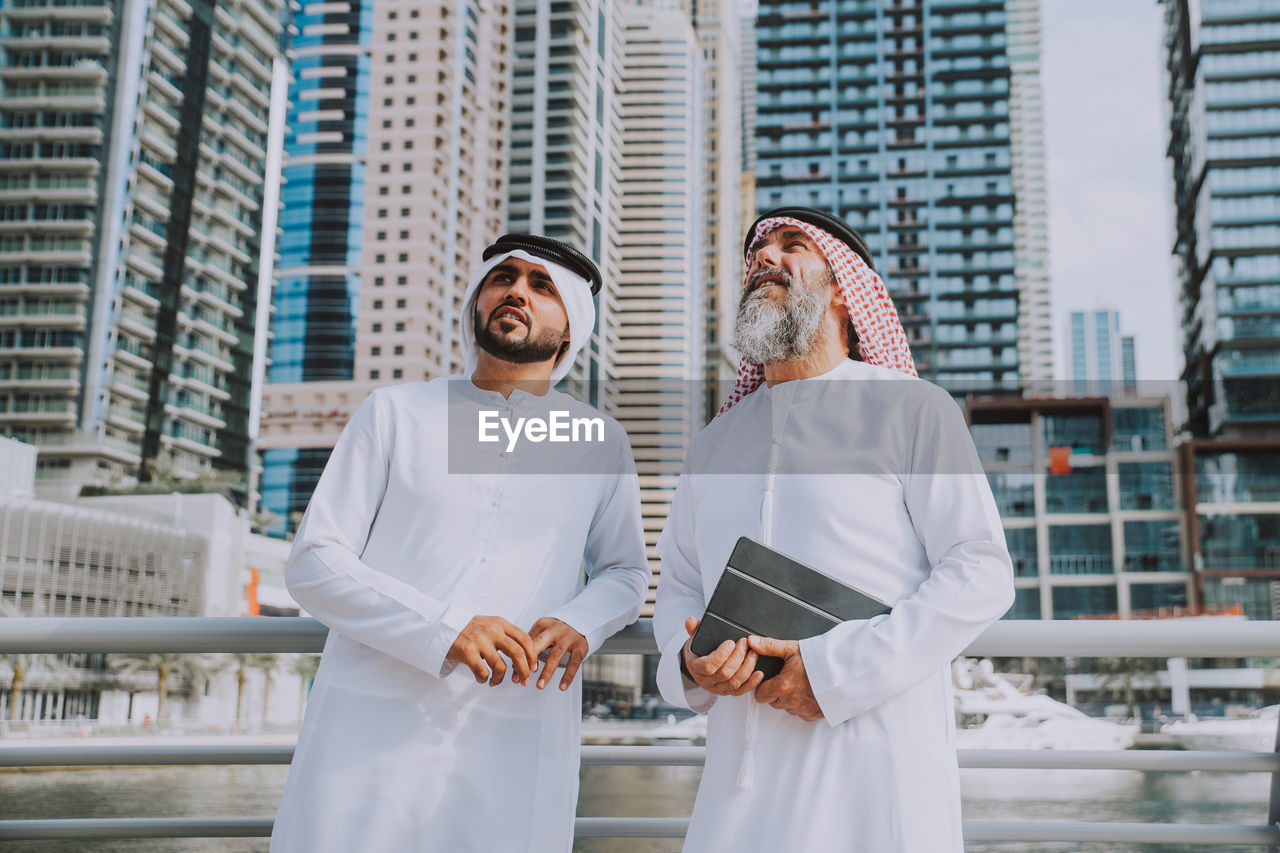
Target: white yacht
{"type": "Point", "coordinates": [1255, 733]}
{"type": "Point", "coordinates": [994, 713]}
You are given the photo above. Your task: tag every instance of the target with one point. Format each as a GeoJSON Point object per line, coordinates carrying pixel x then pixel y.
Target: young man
{"type": "Point", "coordinates": [444, 562]}
{"type": "Point", "coordinates": [823, 455]}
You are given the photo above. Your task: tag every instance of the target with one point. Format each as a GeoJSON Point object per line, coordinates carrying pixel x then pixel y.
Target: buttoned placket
{"type": "Point", "coordinates": [780, 398]}
{"type": "Point", "coordinates": [496, 494]}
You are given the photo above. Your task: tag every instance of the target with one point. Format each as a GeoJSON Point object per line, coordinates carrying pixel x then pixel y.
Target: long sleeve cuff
{"type": "Point", "coordinates": [826, 670]}
{"type": "Point", "coordinates": [451, 623]}
{"type": "Point", "coordinates": [676, 687]}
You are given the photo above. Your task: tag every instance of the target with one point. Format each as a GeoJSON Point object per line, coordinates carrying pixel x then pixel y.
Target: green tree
{"type": "Point", "coordinates": [1125, 673]}
{"type": "Point", "coordinates": [264, 662]}
{"type": "Point", "coordinates": [305, 667]}
{"type": "Point", "coordinates": [192, 668]}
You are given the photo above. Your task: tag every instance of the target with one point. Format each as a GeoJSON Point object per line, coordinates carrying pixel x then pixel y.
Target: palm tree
{"type": "Point", "coordinates": [20, 664]}
{"type": "Point", "coordinates": [264, 662]}
{"type": "Point", "coordinates": [305, 667]}
{"type": "Point", "coordinates": [192, 668]}
{"type": "Point", "coordinates": [1121, 672]}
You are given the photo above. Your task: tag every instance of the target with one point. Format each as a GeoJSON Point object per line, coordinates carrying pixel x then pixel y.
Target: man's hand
{"type": "Point", "coordinates": [480, 647]}
{"type": "Point", "coordinates": [559, 640]}
{"type": "Point", "coordinates": [789, 690]}
{"type": "Point", "coordinates": [728, 671]}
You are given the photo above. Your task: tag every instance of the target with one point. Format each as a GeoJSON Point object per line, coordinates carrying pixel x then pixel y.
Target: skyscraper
{"type": "Point", "coordinates": [134, 152]}
{"type": "Point", "coordinates": [662, 286]}
{"type": "Point", "coordinates": [565, 147]}
{"type": "Point", "coordinates": [717, 25]}
{"type": "Point", "coordinates": [1102, 360]}
{"type": "Point", "coordinates": [393, 185]}
{"type": "Point", "coordinates": [1221, 64]}
{"type": "Point", "coordinates": [900, 118]}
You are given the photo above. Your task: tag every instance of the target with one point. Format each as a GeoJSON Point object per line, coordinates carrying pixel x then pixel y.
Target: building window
{"type": "Point", "coordinates": [404, 235]}
{"type": "Point", "coordinates": [382, 235]}
{"type": "Point", "coordinates": [399, 350]}
{"type": "Point", "coordinates": [375, 350]}
{"type": "Point", "coordinates": [397, 373]}
{"type": "Point", "coordinates": [399, 327]}
{"type": "Point", "coordinates": [373, 374]}
{"type": "Point", "coordinates": [377, 327]}
{"type": "Point", "coordinates": [404, 211]}
{"type": "Point", "coordinates": [400, 303]}
{"type": "Point", "coordinates": [378, 282]}
{"type": "Point", "coordinates": [402, 279]}
{"type": "Point", "coordinates": [377, 303]}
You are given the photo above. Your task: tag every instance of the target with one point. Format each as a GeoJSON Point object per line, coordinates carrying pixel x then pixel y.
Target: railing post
{"type": "Point", "coordinates": [1273, 813]}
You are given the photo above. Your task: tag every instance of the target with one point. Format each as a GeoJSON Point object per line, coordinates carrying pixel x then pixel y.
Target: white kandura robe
{"type": "Point", "coordinates": [410, 533]}
{"type": "Point", "coordinates": [876, 482]}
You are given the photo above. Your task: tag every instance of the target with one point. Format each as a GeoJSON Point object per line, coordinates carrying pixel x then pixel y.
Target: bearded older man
{"type": "Point", "coordinates": [442, 562]}
{"type": "Point", "coordinates": [831, 451]}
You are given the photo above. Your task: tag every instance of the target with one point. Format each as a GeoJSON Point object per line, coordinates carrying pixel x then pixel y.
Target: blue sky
{"type": "Point", "coordinates": [1110, 214]}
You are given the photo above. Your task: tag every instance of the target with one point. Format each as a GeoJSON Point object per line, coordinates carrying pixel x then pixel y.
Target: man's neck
{"type": "Point", "coordinates": [828, 351]}
{"type": "Point", "coordinates": [493, 374]}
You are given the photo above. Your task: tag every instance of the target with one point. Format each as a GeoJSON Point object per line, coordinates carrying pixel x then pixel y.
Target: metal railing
{"type": "Point", "coordinates": [1174, 638]}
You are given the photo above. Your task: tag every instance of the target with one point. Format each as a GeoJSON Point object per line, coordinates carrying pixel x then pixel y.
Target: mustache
{"type": "Point", "coordinates": [755, 282]}
{"type": "Point", "coordinates": [508, 306]}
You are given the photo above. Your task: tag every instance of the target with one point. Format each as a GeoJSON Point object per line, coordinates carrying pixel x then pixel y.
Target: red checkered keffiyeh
{"type": "Point", "coordinates": [881, 340]}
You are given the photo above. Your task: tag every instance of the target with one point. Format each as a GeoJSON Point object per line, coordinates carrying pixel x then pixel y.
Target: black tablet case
{"type": "Point", "coordinates": [767, 594]}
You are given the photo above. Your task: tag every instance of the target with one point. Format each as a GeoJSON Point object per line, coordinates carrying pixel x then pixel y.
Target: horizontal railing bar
{"type": "Point", "coordinates": [614, 827]}
{"type": "Point", "coordinates": [90, 754]}
{"type": "Point", "coordinates": [136, 827]}
{"type": "Point", "coordinates": [1157, 760]}
{"type": "Point", "coordinates": [1118, 833]}
{"type": "Point", "coordinates": [1208, 637]}
{"type": "Point", "coordinates": [188, 634]}
{"type": "Point", "coordinates": [671, 756]}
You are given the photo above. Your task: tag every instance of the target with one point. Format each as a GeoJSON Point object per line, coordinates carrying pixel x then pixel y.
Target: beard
{"type": "Point", "coordinates": [527, 350]}
{"type": "Point", "coordinates": [766, 332]}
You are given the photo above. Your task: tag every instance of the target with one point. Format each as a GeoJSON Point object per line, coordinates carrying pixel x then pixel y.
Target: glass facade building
{"type": "Point", "coordinates": [317, 286]}
{"type": "Point", "coordinates": [1102, 360]}
{"type": "Point", "coordinates": [134, 151]}
{"type": "Point", "coordinates": [1092, 504]}
{"type": "Point", "coordinates": [394, 182]}
{"type": "Point", "coordinates": [898, 118]}
{"type": "Point", "coordinates": [1234, 527]}
{"type": "Point", "coordinates": [563, 174]}
{"type": "Point", "coordinates": [1224, 145]}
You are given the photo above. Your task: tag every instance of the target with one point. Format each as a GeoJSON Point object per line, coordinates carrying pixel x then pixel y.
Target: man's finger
{"type": "Point", "coordinates": [513, 650]}
{"type": "Point", "coordinates": [716, 659]}
{"type": "Point", "coordinates": [746, 668]}
{"type": "Point", "coordinates": [729, 668]}
{"type": "Point", "coordinates": [525, 643]}
{"type": "Point", "coordinates": [773, 648]}
{"type": "Point", "coordinates": [496, 665]}
{"type": "Point", "coordinates": [475, 663]}
{"type": "Point", "coordinates": [571, 669]}
{"type": "Point", "coordinates": [691, 624]}
{"type": "Point", "coordinates": [752, 682]}
{"type": "Point", "coordinates": [554, 654]}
